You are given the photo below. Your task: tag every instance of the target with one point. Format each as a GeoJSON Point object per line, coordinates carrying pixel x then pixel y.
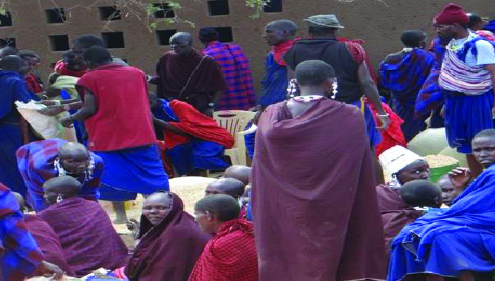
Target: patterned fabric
{"type": "Point", "coordinates": [230, 255]}
{"type": "Point", "coordinates": [86, 234]}
{"type": "Point", "coordinates": [431, 96]}
{"type": "Point", "coordinates": [456, 76]}
{"type": "Point", "coordinates": [404, 76]}
{"type": "Point", "coordinates": [38, 162]}
{"type": "Point", "coordinates": [19, 253]}
{"type": "Point", "coordinates": [237, 74]}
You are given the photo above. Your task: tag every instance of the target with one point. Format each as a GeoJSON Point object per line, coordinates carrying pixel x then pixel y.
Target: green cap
{"type": "Point", "coordinates": [326, 21]}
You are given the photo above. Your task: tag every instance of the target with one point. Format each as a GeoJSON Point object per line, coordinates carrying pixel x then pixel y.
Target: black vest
{"type": "Point", "coordinates": [334, 53]}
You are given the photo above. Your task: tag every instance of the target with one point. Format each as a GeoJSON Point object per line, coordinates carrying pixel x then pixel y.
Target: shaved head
{"type": "Point", "coordinates": [182, 37]}
{"type": "Point", "coordinates": [238, 172]}
{"type": "Point", "coordinates": [12, 63]}
{"type": "Point", "coordinates": [223, 207]}
{"type": "Point", "coordinates": [284, 25]}
{"type": "Point", "coordinates": [229, 186]}
{"type": "Point", "coordinates": [8, 51]}
{"type": "Point", "coordinates": [313, 72]}
{"type": "Point", "coordinates": [71, 149]}
{"type": "Point", "coordinates": [64, 185]}
{"type": "Point", "coordinates": [421, 193]}
{"type": "Point", "coordinates": [158, 197]}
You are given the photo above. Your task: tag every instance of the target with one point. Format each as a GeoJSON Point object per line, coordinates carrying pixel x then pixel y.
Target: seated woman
{"type": "Point", "coordinates": [455, 242]}
{"type": "Point", "coordinates": [171, 242]}
{"type": "Point", "coordinates": [84, 229]}
{"type": "Point", "coordinates": [404, 166]}
{"type": "Point", "coordinates": [231, 254]}
{"type": "Point", "coordinates": [192, 140]}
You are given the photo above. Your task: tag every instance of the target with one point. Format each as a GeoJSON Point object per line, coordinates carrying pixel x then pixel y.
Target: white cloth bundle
{"type": "Point", "coordinates": [47, 126]}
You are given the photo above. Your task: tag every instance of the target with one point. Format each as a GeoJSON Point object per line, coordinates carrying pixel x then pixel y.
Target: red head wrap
{"type": "Point", "coordinates": [451, 14]}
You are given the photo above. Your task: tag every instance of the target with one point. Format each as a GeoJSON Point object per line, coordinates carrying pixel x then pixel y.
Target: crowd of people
{"type": "Point", "coordinates": [314, 205]}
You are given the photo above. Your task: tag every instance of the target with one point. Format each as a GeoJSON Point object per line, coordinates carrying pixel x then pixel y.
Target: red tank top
{"type": "Point", "coordinates": [123, 118]}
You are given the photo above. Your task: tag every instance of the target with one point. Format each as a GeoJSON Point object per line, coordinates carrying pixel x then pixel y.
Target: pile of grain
{"type": "Point", "coordinates": [437, 161]}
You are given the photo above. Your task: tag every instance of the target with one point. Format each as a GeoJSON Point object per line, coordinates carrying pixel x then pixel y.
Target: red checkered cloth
{"type": "Point", "coordinates": [230, 255]}
{"type": "Point", "coordinates": [236, 71]}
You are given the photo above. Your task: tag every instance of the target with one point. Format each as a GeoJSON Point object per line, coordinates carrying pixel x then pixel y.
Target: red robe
{"type": "Point", "coordinates": [196, 124]}
{"type": "Point", "coordinates": [86, 234]}
{"type": "Point", "coordinates": [314, 202]}
{"type": "Point", "coordinates": [48, 242]}
{"type": "Point", "coordinates": [230, 255]}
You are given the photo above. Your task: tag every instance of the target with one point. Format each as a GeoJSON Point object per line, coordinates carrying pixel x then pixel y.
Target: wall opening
{"type": "Point", "coordinates": [56, 15]}
{"type": "Point", "coordinates": [163, 36]}
{"type": "Point", "coordinates": [113, 40]}
{"type": "Point", "coordinates": [225, 34]}
{"type": "Point", "coordinates": [4, 42]}
{"type": "Point", "coordinates": [275, 6]}
{"type": "Point", "coordinates": [59, 43]}
{"type": "Point", "coordinates": [218, 7]}
{"type": "Point", "coordinates": [5, 20]}
{"type": "Point", "coordinates": [163, 11]}
{"type": "Point", "coordinates": [109, 13]}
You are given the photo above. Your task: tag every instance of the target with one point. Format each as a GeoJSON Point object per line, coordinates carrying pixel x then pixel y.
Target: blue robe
{"type": "Point", "coordinates": [19, 253]}
{"type": "Point", "coordinates": [275, 82]}
{"type": "Point", "coordinates": [448, 242]}
{"type": "Point", "coordinates": [12, 88]}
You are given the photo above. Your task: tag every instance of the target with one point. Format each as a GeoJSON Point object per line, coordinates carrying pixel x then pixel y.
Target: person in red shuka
{"type": "Point", "coordinates": [231, 254]}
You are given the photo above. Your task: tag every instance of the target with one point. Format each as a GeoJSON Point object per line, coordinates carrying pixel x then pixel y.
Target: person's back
{"type": "Point", "coordinates": [123, 119]}
{"type": "Point", "coordinates": [86, 234]}
{"type": "Point", "coordinates": [231, 254]}
{"type": "Point", "coordinates": [235, 69]}
{"type": "Point", "coordinates": [403, 74]}
{"type": "Point", "coordinates": [329, 157]}
{"type": "Point", "coordinates": [338, 55]}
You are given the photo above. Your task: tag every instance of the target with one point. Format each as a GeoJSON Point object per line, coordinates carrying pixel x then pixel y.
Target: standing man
{"type": "Point", "coordinates": [117, 117]}
{"type": "Point", "coordinates": [187, 75]}
{"type": "Point", "coordinates": [348, 60]}
{"type": "Point", "coordinates": [403, 74]}
{"type": "Point", "coordinates": [34, 83]}
{"type": "Point", "coordinates": [315, 208]}
{"type": "Point", "coordinates": [13, 88]}
{"type": "Point", "coordinates": [280, 36]}
{"type": "Point", "coordinates": [235, 69]}
{"type": "Point", "coordinates": [467, 77]}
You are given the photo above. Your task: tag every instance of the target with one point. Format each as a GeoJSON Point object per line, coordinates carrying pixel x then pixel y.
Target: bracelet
{"type": "Point", "coordinates": [66, 107]}
{"type": "Point", "coordinates": [383, 115]}
{"type": "Point", "coordinates": [57, 102]}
